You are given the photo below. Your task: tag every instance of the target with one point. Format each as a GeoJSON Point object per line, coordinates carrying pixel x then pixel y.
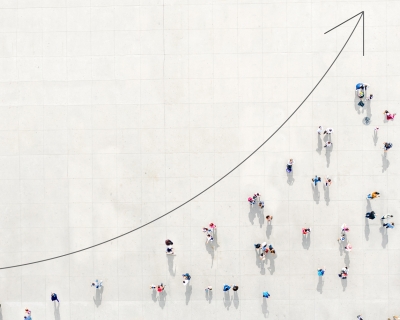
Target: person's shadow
{"type": "Point", "coordinates": [252, 213]}
{"type": "Point", "coordinates": [385, 162]}
{"type": "Point", "coordinates": [171, 269]}
{"type": "Point", "coordinates": [1, 314]}
{"type": "Point", "coordinates": [271, 258]}
{"type": "Point", "coordinates": [347, 259]}
{"type": "Point", "coordinates": [56, 311]}
{"type": "Point", "coordinates": [268, 230]}
{"type": "Point", "coordinates": [368, 108]}
{"type": "Point", "coordinates": [383, 231]}
{"type": "Point", "coordinates": [356, 101]}
{"type": "Point", "coordinates": [227, 300]}
{"type": "Point", "coordinates": [375, 137]}
{"type": "Point", "coordinates": [366, 229]}
{"type": "Point", "coordinates": [99, 297]}
{"type": "Point", "coordinates": [290, 179]}
{"type": "Point", "coordinates": [209, 295]}
{"type": "Point", "coordinates": [210, 250]}
{"type": "Point", "coordinates": [344, 284]}
{"type": "Point", "coordinates": [306, 241]}
{"type": "Point", "coordinates": [154, 295]}
{"type": "Point", "coordinates": [162, 298]}
{"type": "Point", "coordinates": [316, 194]}
{"type": "Point", "coordinates": [328, 156]}
{"type": "Point", "coordinates": [188, 293]}
{"type": "Point", "coordinates": [264, 308]}
{"type": "Point", "coordinates": [261, 218]}
{"type": "Point", "coordinates": [319, 148]}
{"type": "Point", "coordinates": [326, 195]}
{"type": "Point", "coordinates": [320, 285]}
{"type": "Point", "coordinates": [236, 299]}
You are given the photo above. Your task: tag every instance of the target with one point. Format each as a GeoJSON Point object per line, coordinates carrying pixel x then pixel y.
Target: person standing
{"type": "Point", "coordinates": [186, 278]}
{"type": "Point", "coordinates": [169, 250]}
{"type": "Point", "coordinates": [389, 116]}
{"type": "Point", "coordinates": [168, 242]}
{"type": "Point", "coordinates": [348, 248]}
{"type": "Point", "coordinates": [97, 284]}
{"type": "Point", "coordinates": [261, 204]}
{"type": "Point", "coordinates": [54, 297]}
{"type": "Point", "coordinates": [213, 227]}
{"type": "Point", "coordinates": [343, 273]}
{"type": "Point", "coordinates": [269, 218]}
{"type": "Point", "coordinates": [370, 215]}
{"type": "Point", "coordinates": [359, 317]}
{"type": "Point", "coordinates": [315, 180]}
{"type": "Point", "coordinates": [389, 225]}
{"type": "Point", "coordinates": [320, 129]}
{"type": "Point", "coordinates": [153, 286]}
{"type": "Point", "coordinates": [266, 294]}
{"type": "Point", "coordinates": [209, 238]}
{"type": "Point", "coordinates": [373, 195]}
{"type": "Point", "coordinates": [160, 288]}
{"type": "Point", "coordinates": [328, 182]}
{"type": "Point", "coordinates": [345, 228]}
{"type": "Point", "coordinates": [321, 271]}
{"type": "Point", "coordinates": [328, 144]}
{"type": "Point", "coordinates": [387, 146]}
{"type": "Point", "coordinates": [208, 289]}
{"type": "Point", "coordinates": [387, 216]}
{"type": "Point", "coordinates": [226, 287]}
{"type": "Point", "coordinates": [257, 246]}
{"type": "Point", "coordinates": [289, 165]}
{"type": "Point", "coordinates": [305, 231]}
{"type": "Point", "coordinates": [235, 288]}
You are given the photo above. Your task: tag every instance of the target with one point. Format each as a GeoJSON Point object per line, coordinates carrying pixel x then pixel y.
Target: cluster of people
{"type": "Point", "coordinates": [252, 200]}
{"type": "Point", "coordinates": [169, 249]}
{"type": "Point", "coordinates": [160, 288]}
{"type": "Point", "coordinates": [316, 179]}
{"type": "Point", "coordinates": [263, 249]}
{"type": "Point", "coordinates": [228, 287]}
{"type": "Point", "coordinates": [328, 131]}
{"type": "Point", "coordinates": [209, 231]}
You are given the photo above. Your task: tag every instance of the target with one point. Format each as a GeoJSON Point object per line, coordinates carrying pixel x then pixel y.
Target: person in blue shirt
{"type": "Point", "coordinates": [321, 272]}
{"type": "Point", "coordinates": [266, 294]}
{"type": "Point", "coordinates": [54, 297]}
{"type": "Point", "coordinates": [389, 225]}
{"type": "Point", "coordinates": [226, 287]}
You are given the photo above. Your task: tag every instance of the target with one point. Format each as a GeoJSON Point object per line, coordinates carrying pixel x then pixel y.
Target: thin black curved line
{"type": "Point", "coordinates": [194, 197]}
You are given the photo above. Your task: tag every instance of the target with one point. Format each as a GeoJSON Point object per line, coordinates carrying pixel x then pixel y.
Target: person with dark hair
{"type": "Point", "coordinates": [387, 146]}
{"type": "Point", "coordinates": [54, 297]}
{"type": "Point", "coordinates": [235, 288]}
{"type": "Point", "coordinates": [373, 195]}
{"type": "Point", "coordinates": [389, 225]}
{"type": "Point", "coordinates": [343, 273]}
{"type": "Point", "coordinates": [269, 218]}
{"type": "Point", "coordinates": [226, 287]}
{"type": "Point", "coordinates": [257, 245]}
{"type": "Point", "coordinates": [389, 116]}
{"type": "Point", "coordinates": [370, 215]}
{"type": "Point", "coordinates": [316, 180]}
{"type": "Point", "coordinates": [266, 294]}
{"type": "Point", "coordinates": [305, 231]}
{"type": "Point", "coordinates": [168, 242]}
{"type": "Point", "coordinates": [186, 278]}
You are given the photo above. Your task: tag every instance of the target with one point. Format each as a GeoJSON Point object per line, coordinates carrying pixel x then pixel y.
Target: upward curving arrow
{"type": "Point", "coordinates": [361, 14]}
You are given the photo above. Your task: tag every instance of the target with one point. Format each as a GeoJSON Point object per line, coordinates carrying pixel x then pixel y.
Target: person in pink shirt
{"type": "Point", "coordinates": [389, 116]}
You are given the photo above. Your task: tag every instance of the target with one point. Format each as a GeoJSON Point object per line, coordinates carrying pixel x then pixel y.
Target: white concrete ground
{"type": "Point", "coordinates": [113, 112]}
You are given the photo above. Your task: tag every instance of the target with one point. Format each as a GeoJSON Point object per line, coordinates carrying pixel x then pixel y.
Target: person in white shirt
{"type": "Point", "coordinates": [320, 129]}
{"type": "Point", "coordinates": [97, 284]}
